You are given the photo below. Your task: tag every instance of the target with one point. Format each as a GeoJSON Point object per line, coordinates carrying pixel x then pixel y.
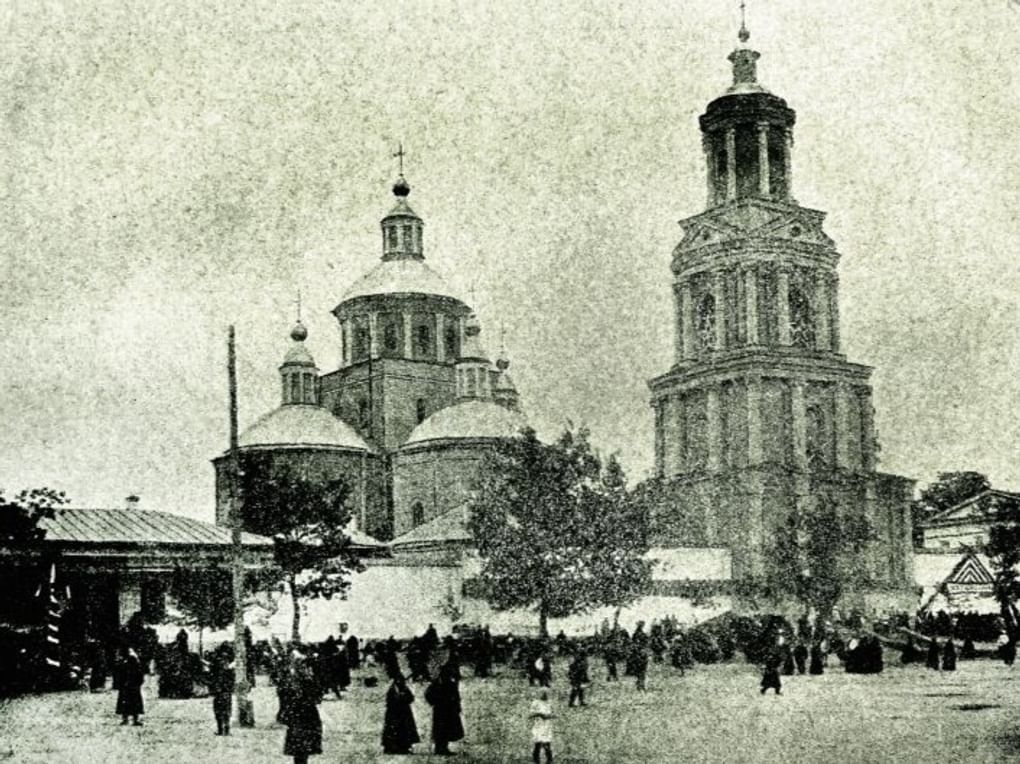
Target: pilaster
{"type": "Point", "coordinates": [763, 160]}
{"type": "Point", "coordinates": [822, 307]}
{"type": "Point", "coordinates": [731, 164]}
{"type": "Point", "coordinates": [408, 339]}
{"type": "Point", "coordinates": [687, 320]}
{"type": "Point", "coordinates": [714, 418]}
{"type": "Point", "coordinates": [754, 442]}
{"type": "Point", "coordinates": [440, 338]}
{"type": "Point", "coordinates": [721, 317]}
{"type": "Point", "coordinates": [783, 305]}
{"type": "Point", "coordinates": [373, 334]}
{"type": "Point", "coordinates": [751, 296]}
{"type": "Point", "coordinates": [842, 428]}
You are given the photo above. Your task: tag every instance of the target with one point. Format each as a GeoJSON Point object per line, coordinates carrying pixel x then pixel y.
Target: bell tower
{"type": "Point", "coordinates": [761, 415]}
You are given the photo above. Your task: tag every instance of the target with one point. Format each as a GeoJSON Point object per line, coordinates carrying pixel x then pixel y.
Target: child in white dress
{"type": "Point", "coordinates": [541, 716]}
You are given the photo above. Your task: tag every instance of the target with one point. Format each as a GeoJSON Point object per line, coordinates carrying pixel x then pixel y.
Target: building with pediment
{"type": "Point", "coordinates": [966, 525]}
{"type": "Point", "coordinates": [761, 415]}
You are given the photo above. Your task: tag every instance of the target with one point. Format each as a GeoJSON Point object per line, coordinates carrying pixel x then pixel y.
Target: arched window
{"type": "Point", "coordinates": [706, 322]}
{"type": "Point", "coordinates": [419, 410]}
{"type": "Point", "coordinates": [417, 514]}
{"type": "Point", "coordinates": [408, 244]}
{"type": "Point", "coordinates": [363, 417]}
{"type": "Point", "coordinates": [391, 234]}
{"type": "Point", "coordinates": [390, 338]}
{"type": "Point", "coordinates": [423, 339]}
{"type": "Point", "coordinates": [309, 388]}
{"type": "Point", "coordinates": [802, 324]}
{"type": "Point", "coordinates": [295, 388]}
{"type": "Point", "coordinates": [360, 341]}
{"type": "Point", "coordinates": [451, 343]}
{"type": "Point", "coordinates": [818, 441]}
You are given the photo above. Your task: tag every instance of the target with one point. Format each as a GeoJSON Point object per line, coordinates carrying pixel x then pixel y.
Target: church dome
{"type": "Point", "coordinates": [296, 425]}
{"type": "Point", "coordinates": [394, 277]}
{"type": "Point", "coordinates": [298, 354]}
{"type": "Point", "coordinates": [470, 419]}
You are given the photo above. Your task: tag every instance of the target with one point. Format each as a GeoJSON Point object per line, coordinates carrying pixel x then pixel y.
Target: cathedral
{"type": "Point", "coordinates": [761, 415]}
{"type": "Point", "coordinates": [408, 416]}
{"type": "Point", "coordinates": [760, 419]}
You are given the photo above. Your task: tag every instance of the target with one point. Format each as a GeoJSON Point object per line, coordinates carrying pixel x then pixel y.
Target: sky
{"type": "Point", "coordinates": [169, 169]}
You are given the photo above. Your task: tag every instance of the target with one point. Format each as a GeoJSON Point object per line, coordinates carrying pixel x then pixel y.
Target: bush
{"type": "Point", "coordinates": [704, 647]}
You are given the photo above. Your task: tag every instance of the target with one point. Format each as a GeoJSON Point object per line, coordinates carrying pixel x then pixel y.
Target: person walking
{"type": "Point", "coordinates": [817, 665]}
{"type": "Point", "coordinates": [129, 694]}
{"type": "Point", "coordinates": [222, 679]}
{"type": "Point", "coordinates": [541, 716]}
{"type": "Point", "coordinates": [770, 670]}
{"type": "Point", "coordinates": [301, 714]}
{"type": "Point", "coordinates": [800, 657]}
{"type": "Point", "coordinates": [443, 694]}
{"type": "Point", "coordinates": [949, 655]}
{"type": "Point", "coordinates": [399, 729]}
{"type": "Point", "coordinates": [639, 665]}
{"type": "Point", "coordinates": [577, 674]}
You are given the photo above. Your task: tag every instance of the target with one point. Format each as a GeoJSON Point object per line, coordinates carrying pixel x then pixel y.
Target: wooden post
{"type": "Point", "coordinates": [245, 707]}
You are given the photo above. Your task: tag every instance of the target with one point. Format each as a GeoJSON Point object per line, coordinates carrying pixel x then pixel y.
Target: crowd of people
{"type": "Point", "coordinates": [302, 674]}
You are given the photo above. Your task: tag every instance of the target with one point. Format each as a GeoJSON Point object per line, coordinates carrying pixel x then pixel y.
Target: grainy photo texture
{"type": "Point", "coordinates": [589, 382]}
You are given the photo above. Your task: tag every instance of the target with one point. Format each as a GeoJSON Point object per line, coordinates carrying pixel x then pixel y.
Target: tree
{"type": "Point", "coordinates": [556, 530]}
{"type": "Point", "coordinates": [816, 555]}
{"type": "Point", "coordinates": [948, 490]}
{"type": "Point", "coordinates": [306, 520]}
{"type": "Point", "coordinates": [205, 596]}
{"type": "Point", "coordinates": [1003, 550]}
{"type": "Point", "coordinates": [20, 516]}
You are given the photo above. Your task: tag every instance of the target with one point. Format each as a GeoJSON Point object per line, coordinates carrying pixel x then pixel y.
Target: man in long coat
{"type": "Point", "coordinates": [353, 652]}
{"type": "Point", "coordinates": [949, 655]}
{"type": "Point", "coordinates": [129, 694]}
{"type": "Point", "coordinates": [933, 654]}
{"type": "Point", "coordinates": [444, 697]}
{"type": "Point", "coordinates": [222, 679]}
{"type": "Point", "coordinates": [399, 729]}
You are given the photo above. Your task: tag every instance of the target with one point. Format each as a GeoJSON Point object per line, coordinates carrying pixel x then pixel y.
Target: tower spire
{"type": "Point", "coordinates": [743, 35]}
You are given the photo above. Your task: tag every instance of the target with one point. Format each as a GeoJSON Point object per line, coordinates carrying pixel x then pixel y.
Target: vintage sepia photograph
{"type": "Point", "coordinates": [598, 381]}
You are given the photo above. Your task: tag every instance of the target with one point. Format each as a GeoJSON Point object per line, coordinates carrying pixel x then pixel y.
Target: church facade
{"type": "Point", "coordinates": [416, 403]}
{"type": "Point", "coordinates": [761, 415]}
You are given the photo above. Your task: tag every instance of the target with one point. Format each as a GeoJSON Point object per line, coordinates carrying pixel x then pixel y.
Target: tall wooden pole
{"type": "Point", "coordinates": [245, 707]}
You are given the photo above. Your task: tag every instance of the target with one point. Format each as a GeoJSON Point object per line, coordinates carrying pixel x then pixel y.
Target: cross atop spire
{"type": "Point", "coordinates": [743, 35]}
{"type": "Point", "coordinates": [399, 156]}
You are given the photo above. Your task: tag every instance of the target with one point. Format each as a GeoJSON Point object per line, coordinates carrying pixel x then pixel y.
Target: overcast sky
{"type": "Point", "coordinates": [169, 169]}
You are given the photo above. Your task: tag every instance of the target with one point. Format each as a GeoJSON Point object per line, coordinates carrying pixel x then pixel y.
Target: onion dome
{"type": "Point", "coordinates": [301, 426]}
{"type": "Point", "coordinates": [468, 420]}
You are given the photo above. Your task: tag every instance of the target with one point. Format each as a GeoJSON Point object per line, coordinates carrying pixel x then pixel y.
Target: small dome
{"type": "Point", "coordinates": [298, 355]}
{"type": "Point", "coordinates": [469, 420]}
{"type": "Point", "coordinates": [299, 333]}
{"type": "Point", "coordinates": [408, 276]}
{"type": "Point", "coordinates": [400, 188]}
{"type": "Point", "coordinates": [295, 425]}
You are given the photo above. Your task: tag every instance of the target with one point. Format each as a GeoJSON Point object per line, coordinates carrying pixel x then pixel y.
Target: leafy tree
{"type": "Point", "coordinates": [1003, 550]}
{"type": "Point", "coordinates": [816, 555]}
{"type": "Point", "coordinates": [20, 516]}
{"type": "Point", "coordinates": [205, 596]}
{"type": "Point", "coordinates": [556, 529]}
{"type": "Point", "coordinates": [306, 519]}
{"type": "Point", "coordinates": [948, 490]}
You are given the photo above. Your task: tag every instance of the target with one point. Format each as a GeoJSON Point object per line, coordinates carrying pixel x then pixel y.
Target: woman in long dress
{"type": "Point", "coordinates": [301, 713]}
{"type": "Point", "coordinates": [444, 697]}
{"type": "Point", "coordinates": [399, 729]}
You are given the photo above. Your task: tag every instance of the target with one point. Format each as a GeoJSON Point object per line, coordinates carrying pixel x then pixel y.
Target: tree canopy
{"type": "Point", "coordinates": [306, 518]}
{"type": "Point", "coordinates": [556, 529]}
{"type": "Point", "coordinates": [947, 490]}
{"type": "Point", "coordinates": [20, 515]}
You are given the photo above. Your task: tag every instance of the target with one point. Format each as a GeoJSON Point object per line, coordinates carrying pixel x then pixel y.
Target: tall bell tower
{"type": "Point", "coordinates": [761, 413]}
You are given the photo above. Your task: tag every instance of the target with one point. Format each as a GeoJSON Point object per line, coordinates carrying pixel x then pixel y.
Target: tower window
{"type": "Point", "coordinates": [390, 338]}
{"type": "Point", "coordinates": [309, 388]}
{"type": "Point", "coordinates": [295, 388]}
{"type": "Point", "coordinates": [706, 322]}
{"type": "Point", "coordinates": [360, 342]}
{"type": "Point", "coordinates": [363, 416]}
{"type": "Point", "coordinates": [451, 343]}
{"type": "Point", "coordinates": [419, 410]}
{"type": "Point", "coordinates": [819, 444]}
{"type": "Point", "coordinates": [391, 236]}
{"type": "Point", "coordinates": [802, 325]}
{"type": "Point", "coordinates": [408, 244]}
{"type": "Point", "coordinates": [423, 339]}
{"type": "Point", "coordinates": [417, 514]}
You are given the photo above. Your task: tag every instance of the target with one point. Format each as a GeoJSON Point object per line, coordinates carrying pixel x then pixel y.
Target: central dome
{"type": "Point", "coordinates": [395, 277]}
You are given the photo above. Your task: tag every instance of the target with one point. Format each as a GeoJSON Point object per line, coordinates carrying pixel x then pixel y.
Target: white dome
{"type": "Point", "coordinates": [299, 424]}
{"type": "Point", "coordinates": [405, 276]}
{"type": "Point", "coordinates": [469, 419]}
{"type": "Point", "coordinates": [298, 354]}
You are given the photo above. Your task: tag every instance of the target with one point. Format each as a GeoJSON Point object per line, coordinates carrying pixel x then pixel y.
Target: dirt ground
{"type": "Point", "coordinates": [714, 714]}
